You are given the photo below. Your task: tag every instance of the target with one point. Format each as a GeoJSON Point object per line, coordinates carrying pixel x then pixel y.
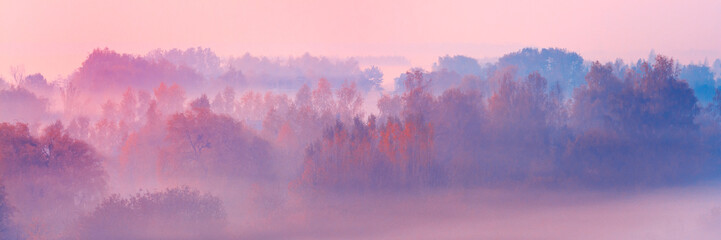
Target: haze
{"type": "Point", "coordinates": [368, 120]}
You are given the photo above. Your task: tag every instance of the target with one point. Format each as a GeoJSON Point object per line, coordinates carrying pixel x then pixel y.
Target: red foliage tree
{"type": "Point", "coordinates": [51, 178]}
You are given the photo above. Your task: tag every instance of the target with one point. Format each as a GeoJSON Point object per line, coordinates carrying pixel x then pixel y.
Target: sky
{"type": "Point", "coordinates": [54, 37]}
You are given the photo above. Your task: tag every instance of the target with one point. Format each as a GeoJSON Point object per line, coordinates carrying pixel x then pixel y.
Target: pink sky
{"type": "Point", "coordinates": [54, 37]}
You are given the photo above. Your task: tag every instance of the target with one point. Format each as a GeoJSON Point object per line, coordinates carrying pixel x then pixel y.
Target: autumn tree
{"type": "Point", "coordinates": [322, 98]}
{"type": "Point", "coordinates": [107, 72]}
{"type": "Point", "coordinates": [201, 143]}
{"type": "Point", "coordinates": [396, 154]}
{"type": "Point", "coordinates": [139, 153]}
{"type": "Point", "coordinates": [349, 102]}
{"type": "Point", "coordinates": [129, 109]}
{"type": "Point", "coordinates": [51, 178]}
{"type": "Point", "coordinates": [169, 99]}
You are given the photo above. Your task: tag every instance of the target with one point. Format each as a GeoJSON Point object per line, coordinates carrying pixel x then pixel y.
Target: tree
{"type": "Point", "coordinates": [37, 84]}
{"type": "Point", "coordinates": [593, 103]}
{"type": "Point", "coordinates": [389, 106]}
{"type": "Point", "coordinates": [70, 98]}
{"type": "Point", "coordinates": [19, 104]}
{"type": "Point", "coordinates": [641, 131]}
{"type": "Point", "coordinates": [556, 65]}
{"type": "Point", "coordinates": [521, 117]}
{"type": "Point", "coordinates": [520, 107]}
{"type": "Point", "coordinates": [460, 122]}
{"type": "Point", "coordinates": [129, 107]}
{"type": "Point", "coordinates": [201, 143]}
{"type": "Point", "coordinates": [202, 60]}
{"type": "Point", "coordinates": [5, 214]}
{"type": "Point", "coordinates": [170, 214]}
{"type": "Point", "coordinates": [460, 64]}
{"type": "Point", "coordinates": [701, 80]}
{"type": "Point", "coordinates": [323, 98]}
{"type": "Point", "coordinates": [670, 101]}
{"type": "Point", "coordinates": [303, 97]}
{"type": "Point", "coordinates": [108, 133]}
{"type": "Point", "coordinates": [169, 99]}
{"type": "Point", "coordinates": [716, 104]}
{"type": "Point", "coordinates": [417, 100]}
{"type": "Point", "coordinates": [139, 153]}
{"type": "Point", "coordinates": [3, 83]}
{"type": "Point", "coordinates": [106, 72]}
{"type": "Point", "coordinates": [51, 178]}
{"type": "Point", "coordinates": [18, 73]}
{"type": "Point", "coordinates": [228, 103]}
{"type": "Point", "coordinates": [233, 78]}
{"type": "Point", "coordinates": [224, 102]}
{"type": "Point", "coordinates": [349, 103]}
{"type": "Point", "coordinates": [451, 71]}
{"type": "Point", "coordinates": [362, 155]}
{"type": "Point", "coordinates": [373, 79]}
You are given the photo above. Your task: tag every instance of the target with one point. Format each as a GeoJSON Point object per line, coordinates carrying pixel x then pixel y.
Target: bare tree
{"type": "Point", "coordinates": [18, 73]}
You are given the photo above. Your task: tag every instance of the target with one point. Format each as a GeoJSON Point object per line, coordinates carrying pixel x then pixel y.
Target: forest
{"type": "Point", "coordinates": [184, 144]}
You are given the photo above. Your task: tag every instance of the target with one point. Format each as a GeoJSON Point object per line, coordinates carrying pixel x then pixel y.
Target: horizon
{"type": "Point", "coordinates": [392, 66]}
{"type": "Point", "coordinates": [53, 38]}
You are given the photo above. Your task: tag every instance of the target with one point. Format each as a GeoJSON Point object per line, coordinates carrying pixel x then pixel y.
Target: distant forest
{"type": "Point", "coordinates": [182, 124]}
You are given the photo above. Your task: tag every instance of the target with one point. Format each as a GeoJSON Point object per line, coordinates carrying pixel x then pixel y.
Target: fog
{"type": "Point", "coordinates": [538, 144]}
{"type": "Point", "coordinates": [688, 213]}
